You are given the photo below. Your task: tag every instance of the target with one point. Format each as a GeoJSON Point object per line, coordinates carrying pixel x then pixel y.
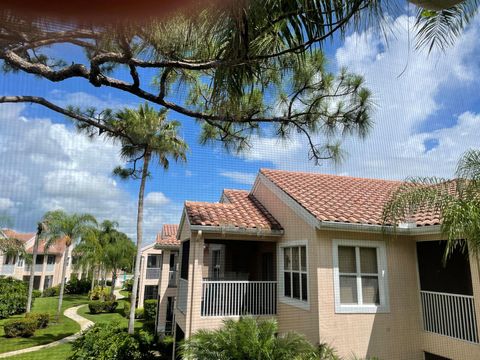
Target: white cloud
{"type": "Point", "coordinates": [156, 199]}
{"type": "Point", "coordinates": [409, 89]}
{"type": "Point", "coordinates": [239, 177]}
{"type": "Point", "coordinates": [48, 166]}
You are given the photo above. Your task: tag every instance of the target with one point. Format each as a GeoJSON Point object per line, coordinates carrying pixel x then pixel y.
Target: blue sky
{"type": "Point", "coordinates": [424, 120]}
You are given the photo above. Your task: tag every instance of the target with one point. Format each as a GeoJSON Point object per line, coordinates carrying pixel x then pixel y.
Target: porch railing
{"type": "Point", "coordinates": [235, 298]}
{"type": "Point", "coordinates": [153, 273]}
{"type": "Point", "coordinates": [182, 293]}
{"type": "Point", "coordinates": [450, 314]}
{"type": "Point", "coordinates": [8, 269]}
{"type": "Point", "coordinates": [50, 267]}
{"type": "Point", "coordinates": [38, 267]}
{"type": "Point", "coordinates": [172, 278]}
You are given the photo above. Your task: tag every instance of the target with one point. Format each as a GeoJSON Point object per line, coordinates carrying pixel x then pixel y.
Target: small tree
{"type": "Point", "coordinates": [61, 226]}
{"type": "Point", "coordinates": [119, 254]}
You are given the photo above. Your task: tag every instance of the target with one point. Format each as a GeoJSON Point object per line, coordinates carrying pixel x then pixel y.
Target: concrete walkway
{"type": "Point", "coordinates": [70, 313]}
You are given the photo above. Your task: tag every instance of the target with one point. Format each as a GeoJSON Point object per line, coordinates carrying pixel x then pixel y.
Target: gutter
{"type": "Point", "coordinates": [402, 229]}
{"type": "Point", "coordinates": [236, 231]}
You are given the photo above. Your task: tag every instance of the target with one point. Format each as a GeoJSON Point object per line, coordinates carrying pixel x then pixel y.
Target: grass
{"type": "Point", "coordinates": [109, 317]}
{"type": "Point", "coordinates": [54, 331]}
{"type": "Point", "coordinates": [60, 352]}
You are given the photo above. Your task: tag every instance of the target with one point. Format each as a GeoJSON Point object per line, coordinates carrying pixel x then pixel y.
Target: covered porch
{"type": "Point", "coordinates": [446, 293]}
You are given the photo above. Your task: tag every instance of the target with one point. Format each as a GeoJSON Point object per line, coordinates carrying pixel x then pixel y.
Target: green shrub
{"type": "Point", "coordinates": [96, 306]}
{"type": "Point", "coordinates": [149, 326]}
{"type": "Point", "coordinates": [76, 286]}
{"type": "Point", "coordinates": [139, 313]}
{"type": "Point", "coordinates": [112, 341]}
{"type": "Point", "coordinates": [13, 296]}
{"type": "Point", "coordinates": [36, 293]}
{"type": "Point", "coordinates": [24, 327]}
{"type": "Point", "coordinates": [126, 309]}
{"type": "Point", "coordinates": [150, 309]}
{"type": "Point", "coordinates": [109, 282]}
{"type": "Point", "coordinates": [42, 319]}
{"type": "Point", "coordinates": [110, 306]}
{"type": "Point", "coordinates": [51, 291]}
{"type": "Point", "coordinates": [128, 285]}
{"type": "Point", "coordinates": [100, 294]}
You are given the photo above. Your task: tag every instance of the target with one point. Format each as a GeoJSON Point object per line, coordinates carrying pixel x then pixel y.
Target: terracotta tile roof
{"type": "Point", "coordinates": [57, 248]}
{"type": "Point", "coordinates": [168, 235]}
{"type": "Point", "coordinates": [17, 235]}
{"type": "Point", "coordinates": [341, 198]}
{"type": "Point", "coordinates": [239, 209]}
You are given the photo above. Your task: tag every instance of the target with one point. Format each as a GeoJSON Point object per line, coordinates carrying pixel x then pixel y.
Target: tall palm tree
{"type": "Point", "coordinates": [144, 135]}
{"type": "Point", "coordinates": [457, 202]}
{"type": "Point", "coordinates": [61, 226]}
{"type": "Point", "coordinates": [38, 234]}
{"type": "Point", "coordinates": [89, 253]}
{"type": "Point", "coordinates": [250, 339]}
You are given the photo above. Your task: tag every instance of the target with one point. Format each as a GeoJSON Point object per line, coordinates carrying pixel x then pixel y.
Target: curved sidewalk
{"type": "Point", "coordinates": [70, 313]}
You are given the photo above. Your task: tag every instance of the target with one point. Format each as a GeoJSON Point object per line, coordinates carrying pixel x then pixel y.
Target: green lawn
{"type": "Point", "coordinates": [109, 317]}
{"type": "Point", "coordinates": [60, 352]}
{"type": "Point", "coordinates": [53, 332]}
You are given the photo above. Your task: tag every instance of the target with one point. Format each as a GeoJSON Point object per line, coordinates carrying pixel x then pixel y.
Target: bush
{"type": "Point", "coordinates": [13, 296]}
{"type": "Point", "coordinates": [150, 309]}
{"type": "Point", "coordinates": [112, 341]}
{"type": "Point", "coordinates": [76, 286]}
{"type": "Point", "coordinates": [110, 306]}
{"type": "Point", "coordinates": [100, 294]}
{"type": "Point", "coordinates": [36, 293]}
{"type": "Point", "coordinates": [128, 285]}
{"type": "Point", "coordinates": [139, 313]}
{"type": "Point", "coordinates": [126, 309]}
{"type": "Point", "coordinates": [42, 319]}
{"type": "Point", "coordinates": [109, 282]}
{"type": "Point", "coordinates": [24, 327]}
{"type": "Point", "coordinates": [96, 307]}
{"type": "Point", "coordinates": [51, 291]}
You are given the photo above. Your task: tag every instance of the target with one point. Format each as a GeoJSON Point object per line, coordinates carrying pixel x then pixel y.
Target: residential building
{"type": "Point", "coordinates": [158, 275]}
{"type": "Point", "coordinates": [310, 250]}
{"type": "Point", "coordinates": [48, 264]}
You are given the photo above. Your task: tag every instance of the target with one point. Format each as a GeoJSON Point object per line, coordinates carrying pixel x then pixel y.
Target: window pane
{"type": "Point", "coordinates": [295, 258]}
{"type": "Point", "coordinates": [348, 290]}
{"type": "Point", "coordinates": [368, 260]}
{"type": "Point", "coordinates": [303, 253]}
{"type": "Point", "coordinates": [370, 292]}
{"type": "Point", "coordinates": [296, 285]}
{"type": "Point", "coordinates": [304, 287]}
{"type": "Point", "coordinates": [287, 284]}
{"type": "Point", "coordinates": [287, 258]}
{"type": "Point", "coordinates": [346, 259]}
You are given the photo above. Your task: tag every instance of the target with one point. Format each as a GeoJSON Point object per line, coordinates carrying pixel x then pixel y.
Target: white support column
{"type": "Point", "coordinates": [162, 291]}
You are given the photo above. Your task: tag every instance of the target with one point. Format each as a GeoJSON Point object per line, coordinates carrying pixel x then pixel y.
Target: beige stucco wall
{"type": "Point", "coordinates": [143, 274]}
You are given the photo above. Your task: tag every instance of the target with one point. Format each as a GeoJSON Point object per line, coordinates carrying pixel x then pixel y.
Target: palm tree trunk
{"type": "Point", "coordinates": [136, 273]}
{"type": "Point", "coordinates": [114, 280]}
{"type": "Point", "coordinates": [62, 283]}
{"type": "Point", "coordinates": [92, 285]}
{"type": "Point", "coordinates": [32, 267]}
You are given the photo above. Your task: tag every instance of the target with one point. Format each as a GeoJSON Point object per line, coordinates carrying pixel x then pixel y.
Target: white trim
{"type": "Point", "coordinates": [236, 230]}
{"type": "Point", "coordinates": [305, 305]}
{"type": "Point", "coordinates": [384, 306]}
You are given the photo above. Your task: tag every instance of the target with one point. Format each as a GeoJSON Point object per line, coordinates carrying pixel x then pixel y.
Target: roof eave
{"type": "Point", "coordinates": [236, 230]}
{"type": "Point", "coordinates": [371, 228]}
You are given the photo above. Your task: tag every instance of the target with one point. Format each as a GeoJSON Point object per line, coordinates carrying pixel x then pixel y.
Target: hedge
{"type": "Point", "coordinates": [126, 309]}
{"type": "Point", "coordinates": [150, 309]}
{"type": "Point", "coordinates": [51, 291]}
{"type": "Point", "coordinates": [76, 286]}
{"type": "Point", "coordinates": [24, 327]}
{"type": "Point", "coordinates": [13, 296]}
{"type": "Point", "coordinates": [97, 307]}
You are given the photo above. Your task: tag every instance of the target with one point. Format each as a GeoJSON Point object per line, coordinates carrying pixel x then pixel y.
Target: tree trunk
{"type": "Point", "coordinates": [92, 285]}
{"type": "Point", "coordinates": [32, 267]}
{"type": "Point", "coordinates": [62, 283]}
{"type": "Point", "coordinates": [136, 273]}
{"type": "Point", "coordinates": [114, 280]}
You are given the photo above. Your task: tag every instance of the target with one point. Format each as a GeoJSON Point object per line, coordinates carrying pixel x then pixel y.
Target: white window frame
{"type": "Point", "coordinates": [384, 306]}
{"type": "Point", "coordinates": [302, 304]}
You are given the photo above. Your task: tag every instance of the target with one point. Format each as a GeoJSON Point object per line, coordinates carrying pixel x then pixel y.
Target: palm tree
{"type": "Point", "coordinates": [250, 339]}
{"type": "Point", "coordinates": [61, 226]}
{"type": "Point", "coordinates": [144, 135]}
{"type": "Point", "coordinates": [457, 201]}
{"type": "Point", "coordinates": [38, 234]}
{"type": "Point", "coordinates": [118, 254]}
{"type": "Point", "coordinates": [89, 253]}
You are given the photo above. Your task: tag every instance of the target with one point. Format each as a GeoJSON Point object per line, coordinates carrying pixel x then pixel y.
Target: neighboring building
{"type": "Point", "coordinates": [48, 265]}
{"type": "Point", "coordinates": [158, 275]}
{"type": "Point", "coordinates": [310, 250]}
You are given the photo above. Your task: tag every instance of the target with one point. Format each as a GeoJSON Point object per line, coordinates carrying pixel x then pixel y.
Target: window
{"type": "Point", "coordinates": [360, 276]}
{"type": "Point", "coordinates": [294, 273]}
{"type": "Point", "coordinates": [39, 259]}
{"type": "Point", "coordinates": [21, 261]}
{"type": "Point", "coordinates": [153, 261]}
{"type": "Point", "coordinates": [51, 259]}
{"type": "Point", "coordinates": [151, 292]}
{"type": "Point", "coordinates": [185, 260]}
